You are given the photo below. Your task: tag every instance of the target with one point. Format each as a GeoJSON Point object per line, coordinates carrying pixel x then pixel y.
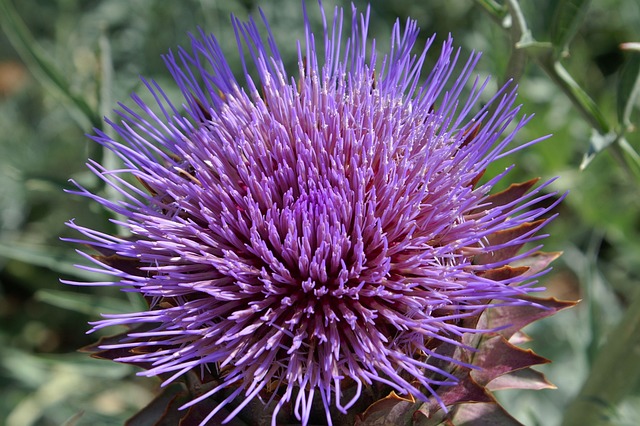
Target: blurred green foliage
{"type": "Point", "coordinates": [75, 59]}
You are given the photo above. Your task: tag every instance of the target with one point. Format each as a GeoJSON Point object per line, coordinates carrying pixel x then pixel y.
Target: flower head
{"type": "Point", "coordinates": [302, 237]}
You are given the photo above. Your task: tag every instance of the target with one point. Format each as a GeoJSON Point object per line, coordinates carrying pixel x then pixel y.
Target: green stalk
{"type": "Point", "coordinates": [520, 34]}
{"type": "Point", "coordinates": [579, 98]}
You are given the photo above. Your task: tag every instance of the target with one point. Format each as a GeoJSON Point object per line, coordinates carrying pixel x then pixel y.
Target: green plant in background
{"type": "Point", "coordinates": [572, 95]}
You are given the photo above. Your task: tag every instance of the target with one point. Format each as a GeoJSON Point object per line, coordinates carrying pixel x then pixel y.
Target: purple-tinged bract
{"type": "Point", "coordinates": [306, 236]}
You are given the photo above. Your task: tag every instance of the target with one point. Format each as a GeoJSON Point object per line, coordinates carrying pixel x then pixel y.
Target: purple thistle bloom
{"type": "Point", "coordinates": [317, 232]}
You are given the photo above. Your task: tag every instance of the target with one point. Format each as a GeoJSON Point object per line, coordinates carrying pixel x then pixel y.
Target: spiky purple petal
{"type": "Point", "coordinates": [314, 230]}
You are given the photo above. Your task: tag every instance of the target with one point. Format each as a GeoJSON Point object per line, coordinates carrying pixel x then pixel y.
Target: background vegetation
{"type": "Point", "coordinates": [65, 63]}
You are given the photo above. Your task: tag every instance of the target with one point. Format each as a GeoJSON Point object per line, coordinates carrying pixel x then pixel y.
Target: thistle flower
{"type": "Point", "coordinates": [321, 239]}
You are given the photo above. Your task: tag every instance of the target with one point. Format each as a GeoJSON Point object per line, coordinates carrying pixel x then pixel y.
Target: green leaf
{"type": "Point", "coordinates": [628, 89]}
{"type": "Point", "coordinates": [41, 66]}
{"type": "Point", "coordinates": [73, 420]}
{"type": "Point", "coordinates": [544, 55]}
{"type": "Point", "coordinates": [631, 157]}
{"type": "Point", "coordinates": [579, 97]}
{"type": "Point", "coordinates": [597, 143]}
{"type": "Point", "coordinates": [520, 34]}
{"type": "Point", "coordinates": [615, 372]}
{"type": "Point", "coordinates": [53, 258]}
{"type": "Point", "coordinates": [568, 16]}
{"type": "Point", "coordinates": [32, 370]}
{"type": "Point", "coordinates": [83, 303]}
